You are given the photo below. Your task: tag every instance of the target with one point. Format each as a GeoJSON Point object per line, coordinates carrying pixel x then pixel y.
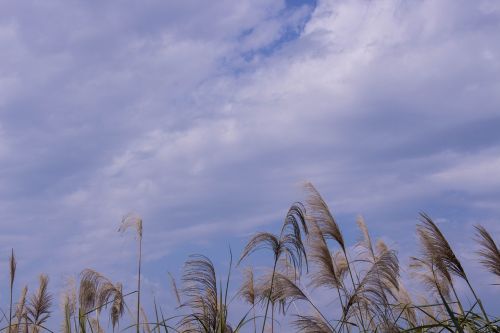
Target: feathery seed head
{"type": "Point", "coordinates": [131, 220]}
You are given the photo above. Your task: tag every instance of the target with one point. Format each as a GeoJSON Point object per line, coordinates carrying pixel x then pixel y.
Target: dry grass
{"type": "Point", "coordinates": [38, 308]}
{"type": "Point", "coordinates": [361, 280]}
{"type": "Point", "coordinates": [489, 253]}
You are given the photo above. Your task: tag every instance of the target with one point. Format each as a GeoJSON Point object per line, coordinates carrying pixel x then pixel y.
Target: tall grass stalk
{"type": "Point", "coordinates": [13, 265]}
{"type": "Point", "coordinates": [133, 220]}
{"type": "Point", "coordinates": [288, 243]}
{"type": "Point", "coordinates": [373, 297]}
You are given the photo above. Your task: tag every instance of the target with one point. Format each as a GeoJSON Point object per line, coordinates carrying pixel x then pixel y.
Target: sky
{"type": "Point", "coordinates": [206, 117]}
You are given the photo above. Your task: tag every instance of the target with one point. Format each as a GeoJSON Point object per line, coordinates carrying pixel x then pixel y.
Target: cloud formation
{"type": "Point", "coordinates": [206, 118]}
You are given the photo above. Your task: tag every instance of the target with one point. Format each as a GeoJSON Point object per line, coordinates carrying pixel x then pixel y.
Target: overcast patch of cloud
{"type": "Point", "coordinates": [205, 119]}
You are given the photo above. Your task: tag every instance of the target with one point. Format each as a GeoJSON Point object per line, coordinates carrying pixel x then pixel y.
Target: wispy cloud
{"type": "Point", "coordinates": [204, 119]}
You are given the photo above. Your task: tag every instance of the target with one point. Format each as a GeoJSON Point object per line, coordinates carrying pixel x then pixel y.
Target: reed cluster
{"type": "Point", "coordinates": [308, 257]}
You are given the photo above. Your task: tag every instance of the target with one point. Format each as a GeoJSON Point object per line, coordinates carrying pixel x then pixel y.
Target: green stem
{"type": "Point", "coordinates": [447, 307]}
{"type": "Point", "coordinates": [458, 300]}
{"type": "Point", "coordinates": [478, 302]}
{"type": "Point", "coordinates": [450, 312]}
{"type": "Point", "coordinates": [81, 321]}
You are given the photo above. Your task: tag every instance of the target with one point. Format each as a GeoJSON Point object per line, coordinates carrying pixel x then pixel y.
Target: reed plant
{"type": "Point", "coordinates": [309, 256]}
{"type": "Point", "coordinates": [132, 220]}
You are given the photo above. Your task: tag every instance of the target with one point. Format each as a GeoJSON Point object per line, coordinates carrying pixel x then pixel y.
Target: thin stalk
{"type": "Point", "coordinates": [67, 317]}
{"type": "Point", "coordinates": [90, 326]}
{"type": "Point", "coordinates": [272, 317]}
{"type": "Point", "coordinates": [458, 300]}
{"type": "Point", "coordinates": [10, 310]}
{"type": "Point", "coordinates": [321, 314]}
{"type": "Point", "coordinates": [12, 275]}
{"type": "Point", "coordinates": [354, 287]}
{"type": "Point", "coordinates": [81, 320]}
{"type": "Point", "coordinates": [270, 293]}
{"type": "Point", "coordinates": [450, 312]}
{"type": "Point", "coordinates": [344, 309]}
{"type": "Point", "coordinates": [139, 283]}
{"type": "Point", "coordinates": [108, 302]}
{"type": "Point", "coordinates": [340, 299]}
{"type": "Point", "coordinates": [157, 317]}
{"type": "Point", "coordinates": [129, 221]}
{"type": "Point", "coordinates": [447, 307]}
{"type": "Point", "coordinates": [254, 320]}
{"type": "Point", "coordinates": [97, 321]}
{"type": "Point", "coordinates": [75, 324]}
{"type": "Point", "coordinates": [357, 279]}
{"type": "Point", "coordinates": [163, 320]}
{"type": "Point", "coordinates": [478, 302]}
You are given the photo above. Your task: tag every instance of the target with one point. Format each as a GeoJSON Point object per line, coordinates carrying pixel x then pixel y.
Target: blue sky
{"type": "Point", "coordinates": [205, 118]}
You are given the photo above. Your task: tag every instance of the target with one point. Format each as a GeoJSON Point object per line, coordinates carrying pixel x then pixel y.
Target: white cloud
{"type": "Point", "coordinates": [388, 107]}
{"type": "Point", "coordinates": [475, 173]}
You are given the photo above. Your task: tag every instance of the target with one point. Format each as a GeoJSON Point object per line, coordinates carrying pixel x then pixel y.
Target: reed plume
{"type": "Point", "coordinates": [289, 243]}
{"type": "Point", "coordinates": [330, 268]}
{"type": "Point", "coordinates": [318, 211]}
{"type": "Point", "coordinates": [489, 252]}
{"type": "Point", "coordinates": [437, 251]}
{"type": "Point", "coordinates": [432, 281]}
{"type": "Point", "coordinates": [66, 323]}
{"type": "Point", "coordinates": [263, 240]}
{"type": "Point", "coordinates": [97, 292]}
{"type": "Point", "coordinates": [95, 326]}
{"type": "Point", "coordinates": [38, 309]}
{"type": "Point", "coordinates": [327, 273]}
{"type": "Point", "coordinates": [312, 324]}
{"type": "Point", "coordinates": [430, 309]}
{"type": "Point", "coordinates": [20, 313]}
{"type": "Point", "coordinates": [284, 289]}
{"type": "Point", "coordinates": [175, 290]}
{"type": "Point", "coordinates": [12, 266]}
{"type": "Point", "coordinates": [200, 287]}
{"type": "Point", "coordinates": [405, 306]}
{"type": "Point", "coordinates": [145, 322]}
{"type": "Point", "coordinates": [69, 306]}
{"type": "Point", "coordinates": [379, 283]}
{"type": "Point", "coordinates": [118, 305]}
{"type": "Point", "coordinates": [366, 242]}
{"type": "Point", "coordinates": [135, 221]}
{"type": "Point", "coordinates": [206, 302]}
{"type": "Point", "coordinates": [436, 248]}
{"type": "Point", "coordinates": [248, 292]}
{"type": "Point", "coordinates": [375, 302]}
{"type": "Point", "coordinates": [371, 254]}
{"type": "Point", "coordinates": [319, 215]}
